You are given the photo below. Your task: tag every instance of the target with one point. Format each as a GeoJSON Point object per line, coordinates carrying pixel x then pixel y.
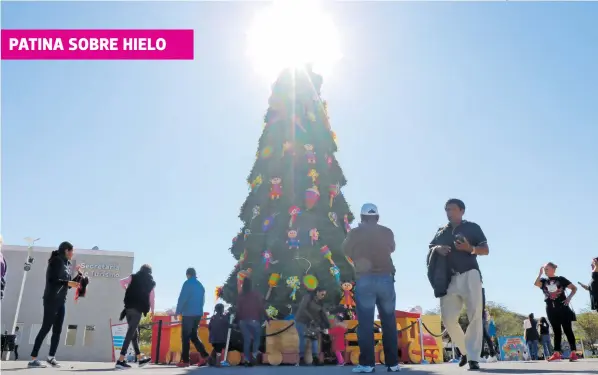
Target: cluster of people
{"type": "Point", "coordinates": [453, 272]}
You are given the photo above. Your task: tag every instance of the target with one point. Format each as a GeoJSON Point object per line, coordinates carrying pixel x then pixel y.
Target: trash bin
{"type": "Point", "coordinates": [8, 343]}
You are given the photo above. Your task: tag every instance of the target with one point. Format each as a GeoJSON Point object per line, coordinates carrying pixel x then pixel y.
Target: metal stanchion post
{"type": "Point", "coordinates": [27, 266]}
{"type": "Point", "coordinates": [454, 360]}
{"type": "Point", "coordinates": [158, 342]}
{"type": "Point", "coordinates": [421, 342]}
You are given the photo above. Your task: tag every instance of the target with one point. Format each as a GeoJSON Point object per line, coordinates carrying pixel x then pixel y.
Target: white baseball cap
{"type": "Point", "coordinates": [369, 209]}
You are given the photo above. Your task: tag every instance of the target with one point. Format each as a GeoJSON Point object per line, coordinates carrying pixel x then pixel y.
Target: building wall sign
{"type": "Point", "coordinates": [100, 270]}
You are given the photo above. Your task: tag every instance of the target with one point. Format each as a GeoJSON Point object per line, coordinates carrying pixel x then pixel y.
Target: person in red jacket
{"type": "Point", "coordinates": [337, 334]}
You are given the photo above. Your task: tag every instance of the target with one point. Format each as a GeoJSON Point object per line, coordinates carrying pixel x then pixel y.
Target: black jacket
{"type": "Point", "coordinates": [58, 274]}
{"type": "Point", "coordinates": [439, 273]}
{"type": "Point", "coordinates": [594, 291]}
{"type": "Point", "coordinates": [137, 295]}
{"type": "Point", "coordinates": [218, 328]}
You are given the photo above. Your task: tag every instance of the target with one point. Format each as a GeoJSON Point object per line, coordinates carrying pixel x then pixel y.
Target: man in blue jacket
{"type": "Point", "coordinates": [190, 306]}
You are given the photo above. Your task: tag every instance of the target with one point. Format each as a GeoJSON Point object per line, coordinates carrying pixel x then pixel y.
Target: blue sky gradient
{"type": "Point", "coordinates": [493, 103]}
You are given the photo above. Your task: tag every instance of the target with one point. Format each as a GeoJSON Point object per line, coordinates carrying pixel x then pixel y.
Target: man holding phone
{"type": "Point", "coordinates": [462, 241]}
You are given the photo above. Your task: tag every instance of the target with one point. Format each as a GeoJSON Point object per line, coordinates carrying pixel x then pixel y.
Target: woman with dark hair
{"type": "Point", "coordinates": [250, 314]}
{"type": "Point", "coordinates": [139, 299]}
{"type": "Point", "coordinates": [593, 286]}
{"type": "Point", "coordinates": [309, 320]}
{"type": "Point", "coordinates": [58, 282]}
{"type": "Point", "coordinates": [545, 337]}
{"type": "Point", "coordinates": [559, 313]}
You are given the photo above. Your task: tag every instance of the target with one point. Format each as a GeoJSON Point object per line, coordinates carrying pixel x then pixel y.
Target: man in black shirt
{"type": "Point", "coordinates": [530, 333]}
{"type": "Point", "coordinates": [462, 241]}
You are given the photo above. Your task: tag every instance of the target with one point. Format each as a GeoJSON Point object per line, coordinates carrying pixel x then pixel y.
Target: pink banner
{"type": "Point", "coordinates": [97, 45]}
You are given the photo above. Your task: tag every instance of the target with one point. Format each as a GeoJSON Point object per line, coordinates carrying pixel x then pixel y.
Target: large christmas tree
{"type": "Point", "coordinates": [295, 217]}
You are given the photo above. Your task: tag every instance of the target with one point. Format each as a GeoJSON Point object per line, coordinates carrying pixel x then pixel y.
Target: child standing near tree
{"type": "Point", "coordinates": [337, 334]}
{"type": "Point", "coordinates": [218, 327]}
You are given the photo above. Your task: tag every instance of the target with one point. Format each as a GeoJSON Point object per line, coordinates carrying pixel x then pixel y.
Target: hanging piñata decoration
{"type": "Point", "coordinates": [325, 251]}
{"type": "Point", "coordinates": [241, 259]}
{"type": "Point", "coordinates": [312, 196]}
{"type": "Point", "coordinates": [272, 283]}
{"type": "Point", "coordinates": [293, 240]}
{"type": "Point", "coordinates": [241, 275]}
{"type": "Point", "coordinates": [266, 258]}
{"type": "Point", "coordinates": [268, 222]}
{"type": "Point", "coordinates": [256, 183]}
{"type": "Point", "coordinates": [293, 283]}
{"type": "Point", "coordinates": [218, 293]}
{"type": "Point", "coordinates": [286, 147]}
{"type": "Point", "coordinates": [314, 176]}
{"type": "Point", "coordinates": [310, 154]}
{"type": "Point", "coordinates": [276, 188]}
{"type": "Point", "coordinates": [294, 211]}
{"type": "Point", "coordinates": [314, 235]}
{"type": "Point", "coordinates": [333, 218]}
{"type": "Point", "coordinates": [347, 301]}
{"type": "Point", "coordinates": [272, 312]}
{"type": "Point", "coordinates": [336, 273]}
{"type": "Point", "coordinates": [346, 221]}
{"type": "Point", "coordinates": [310, 282]}
{"type": "Point", "coordinates": [333, 192]}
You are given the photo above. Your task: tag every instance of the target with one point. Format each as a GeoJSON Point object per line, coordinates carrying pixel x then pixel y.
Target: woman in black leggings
{"type": "Point", "coordinates": [558, 311]}
{"type": "Point", "coordinates": [58, 282]}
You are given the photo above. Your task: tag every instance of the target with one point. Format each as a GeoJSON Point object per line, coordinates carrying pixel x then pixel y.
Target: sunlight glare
{"type": "Point", "coordinates": [291, 33]}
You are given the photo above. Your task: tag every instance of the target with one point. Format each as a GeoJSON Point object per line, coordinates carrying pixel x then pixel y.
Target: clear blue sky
{"type": "Point", "coordinates": [494, 103]}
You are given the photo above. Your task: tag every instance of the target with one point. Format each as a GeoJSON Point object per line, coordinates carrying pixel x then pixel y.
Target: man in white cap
{"type": "Point", "coordinates": [370, 246]}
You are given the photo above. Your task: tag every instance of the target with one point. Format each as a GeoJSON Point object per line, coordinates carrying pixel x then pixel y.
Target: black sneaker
{"type": "Point", "coordinates": [36, 363]}
{"type": "Point", "coordinates": [144, 361]}
{"type": "Point", "coordinates": [122, 365]}
{"type": "Point", "coordinates": [463, 361]}
{"type": "Point", "coordinates": [474, 366]}
{"type": "Point", "coordinates": [316, 361]}
{"type": "Point", "coordinates": [53, 362]}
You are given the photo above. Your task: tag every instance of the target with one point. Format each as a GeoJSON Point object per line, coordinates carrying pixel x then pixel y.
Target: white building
{"type": "Point", "coordinates": [86, 334]}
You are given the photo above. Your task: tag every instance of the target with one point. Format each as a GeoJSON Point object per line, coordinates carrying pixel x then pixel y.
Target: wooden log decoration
{"type": "Point", "coordinates": [234, 357]}
{"type": "Point", "coordinates": [274, 358]}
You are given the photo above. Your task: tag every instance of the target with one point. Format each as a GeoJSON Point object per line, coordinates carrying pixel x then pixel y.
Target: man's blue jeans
{"type": "Point", "coordinates": [251, 329]}
{"type": "Point", "coordinates": [546, 345]}
{"type": "Point", "coordinates": [532, 345]}
{"type": "Point", "coordinates": [373, 291]}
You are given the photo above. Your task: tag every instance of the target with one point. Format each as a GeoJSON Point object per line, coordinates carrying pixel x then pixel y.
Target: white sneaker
{"type": "Point", "coordinates": [483, 360]}
{"type": "Point", "coordinates": [363, 369]}
{"type": "Point", "coordinates": [492, 359]}
{"type": "Point", "coordinates": [396, 368]}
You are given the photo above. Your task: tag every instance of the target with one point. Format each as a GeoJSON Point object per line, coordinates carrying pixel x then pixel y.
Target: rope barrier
{"type": "Point", "coordinates": [430, 332]}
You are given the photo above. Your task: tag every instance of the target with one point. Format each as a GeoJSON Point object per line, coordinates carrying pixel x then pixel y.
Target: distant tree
{"type": "Point", "coordinates": [587, 326]}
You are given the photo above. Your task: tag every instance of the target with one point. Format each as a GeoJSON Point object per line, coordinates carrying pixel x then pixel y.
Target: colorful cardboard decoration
{"type": "Point", "coordinates": [267, 258]}
{"type": "Point", "coordinates": [333, 191]}
{"type": "Point", "coordinates": [333, 218]}
{"type": "Point", "coordinates": [314, 176]}
{"type": "Point", "coordinates": [218, 293]}
{"type": "Point", "coordinates": [314, 235]}
{"type": "Point", "coordinates": [255, 212]}
{"type": "Point", "coordinates": [293, 239]}
{"type": "Point", "coordinates": [310, 154]}
{"type": "Point", "coordinates": [347, 301]}
{"type": "Point", "coordinates": [256, 183]}
{"type": "Point", "coordinates": [241, 275]}
{"type": "Point", "coordinates": [294, 211]}
{"type": "Point", "coordinates": [266, 152]}
{"type": "Point", "coordinates": [272, 283]}
{"type": "Point", "coordinates": [287, 147]}
{"type": "Point", "coordinates": [276, 188]}
{"type": "Point", "coordinates": [350, 261]}
{"type": "Point", "coordinates": [347, 225]}
{"type": "Point", "coordinates": [310, 282]}
{"type": "Point", "coordinates": [325, 251]}
{"type": "Point", "coordinates": [293, 283]}
{"type": "Point", "coordinates": [268, 222]}
{"type": "Point", "coordinates": [241, 259]}
{"type": "Point", "coordinates": [272, 312]}
{"type": "Point", "coordinates": [329, 161]}
{"type": "Point", "coordinates": [246, 234]}
{"type": "Point", "coordinates": [312, 196]}
{"type": "Point", "coordinates": [336, 273]}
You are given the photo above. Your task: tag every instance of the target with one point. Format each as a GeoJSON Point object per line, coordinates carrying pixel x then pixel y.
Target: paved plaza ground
{"type": "Point", "coordinates": [589, 366]}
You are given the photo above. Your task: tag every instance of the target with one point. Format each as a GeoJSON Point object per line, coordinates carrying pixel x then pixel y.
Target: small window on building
{"type": "Point", "coordinates": [88, 335]}
{"type": "Point", "coordinates": [71, 335]}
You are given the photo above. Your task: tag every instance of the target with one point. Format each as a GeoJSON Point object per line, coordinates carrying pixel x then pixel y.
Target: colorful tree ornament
{"type": "Point", "coordinates": [347, 301]}
{"type": "Point", "coordinates": [347, 225]}
{"type": "Point", "coordinates": [325, 251]}
{"type": "Point", "coordinates": [312, 196]}
{"type": "Point", "coordinates": [328, 160]}
{"type": "Point", "coordinates": [314, 176]}
{"type": "Point", "coordinates": [310, 282]}
{"type": "Point", "coordinates": [246, 234]}
{"type": "Point", "coordinates": [266, 258]}
{"type": "Point", "coordinates": [314, 235]}
{"type": "Point", "coordinates": [333, 191]}
{"type": "Point", "coordinates": [350, 261]}
{"type": "Point", "coordinates": [293, 283]}
{"type": "Point", "coordinates": [266, 152]}
{"type": "Point", "coordinates": [218, 293]}
{"type": "Point", "coordinates": [336, 273]}
{"type": "Point", "coordinates": [241, 259]}
{"type": "Point", "coordinates": [272, 312]}
{"type": "Point", "coordinates": [333, 218]}
{"type": "Point", "coordinates": [268, 222]}
{"type": "Point", "coordinates": [256, 183]}
{"type": "Point", "coordinates": [255, 212]}
{"type": "Point", "coordinates": [310, 154]}
{"type": "Point", "coordinates": [294, 211]}
{"type": "Point", "coordinates": [293, 239]}
{"type": "Point", "coordinates": [287, 147]}
{"type": "Point", "coordinates": [272, 283]}
{"type": "Point", "coordinates": [276, 189]}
